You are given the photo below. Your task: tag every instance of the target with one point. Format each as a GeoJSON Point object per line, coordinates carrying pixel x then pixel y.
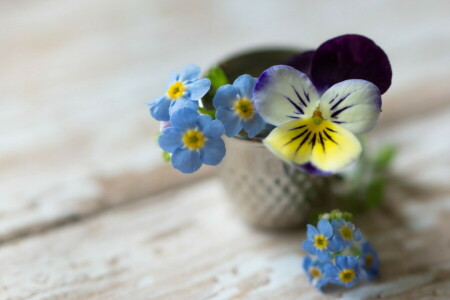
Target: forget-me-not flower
{"type": "Point", "coordinates": [184, 90]}
{"type": "Point", "coordinates": [193, 140]}
{"type": "Point", "coordinates": [320, 240]}
{"type": "Point", "coordinates": [369, 260]}
{"type": "Point", "coordinates": [235, 108]}
{"type": "Point", "coordinates": [346, 232]}
{"type": "Point", "coordinates": [346, 272]}
{"type": "Point", "coordinates": [315, 270]}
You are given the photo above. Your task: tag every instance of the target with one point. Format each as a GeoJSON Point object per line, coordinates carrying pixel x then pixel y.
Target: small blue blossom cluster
{"type": "Point", "coordinates": [338, 253]}
{"type": "Point", "coordinates": [193, 139]}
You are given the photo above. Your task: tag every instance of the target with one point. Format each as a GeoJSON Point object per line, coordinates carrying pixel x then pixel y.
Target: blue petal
{"type": "Point", "coordinates": [230, 121]}
{"type": "Point", "coordinates": [325, 228]}
{"type": "Point", "coordinates": [308, 246]}
{"type": "Point", "coordinates": [184, 119]}
{"type": "Point", "coordinates": [323, 256]}
{"type": "Point", "coordinates": [160, 110]}
{"type": "Point", "coordinates": [331, 270]}
{"type": "Point", "coordinates": [357, 235]}
{"type": "Point", "coordinates": [307, 262]}
{"type": "Point", "coordinates": [170, 139]}
{"type": "Point", "coordinates": [352, 262]}
{"type": "Point", "coordinates": [341, 262]}
{"type": "Point", "coordinates": [214, 129]}
{"type": "Point", "coordinates": [245, 84]}
{"type": "Point", "coordinates": [183, 103]}
{"type": "Point", "coordinates": [172, 78]}
{"type": "Point", "coordinates": [337, 224]}
{"type": "Point", "coordinates": [213, 152]}
{"type": "Point", "coordinates": [186, 161]}
{"type": "Point", "coordinates": [189, 73]}
{"type": "Point", "coordinates": [311, 232]}
{"type": "Point", "coordinates": [225, 96]}
{"type": "Point", "coordinates": [335, 244]}
{"type": "Point", "coordinates": [197, 89]}
{"type": "Point", "coordinates": [254, 126]}
{"type": "Point", "coordinates": [203, 121]}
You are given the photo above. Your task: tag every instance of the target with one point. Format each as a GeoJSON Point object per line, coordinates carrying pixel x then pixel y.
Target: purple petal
{"type": "Point", "coordinates": [312, 170]}
{"type": "Point", "coordinates": [302, 61]}
{"type": "Point", "coordinates": [350, 57]}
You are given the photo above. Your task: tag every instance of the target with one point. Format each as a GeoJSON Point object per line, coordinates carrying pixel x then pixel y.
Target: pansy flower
{"type": "Point", "coordinates": [315, 271]}
{"type": "Point", "coordinates": [235, 108]}
{"type": "Point", "coordinates": [318, 117]}
{"type": "Point", "coordinates": [346, 232]}
{"type": "Point", "coordinates": [346, 272]}
{"type": "Point", "coordinates": [369, 261]}
{"type": "Point", "coordinates": [184, 89]}
{"type": "Point", "coordinates": [193, 140]}
{"type": "Point", "coordinates": [320, 240]}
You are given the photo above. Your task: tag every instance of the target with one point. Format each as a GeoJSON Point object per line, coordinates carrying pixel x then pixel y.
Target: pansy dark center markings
{"type": "Point", "coordinates": [176, 90]}
{"type": "Point", "coordinates": [320, 241]}
{"type": "Point", "coordinates": [315, 272]}
{"type": "Point", "coordinates": [346, 232]}
{"type": "Point", "coordinates": [244, 108]}
{"type": "Point", "coordinates": [368, 261]}
{"type": "Point", "coordinates": [193, 139]}
{"type": "Point", "coordinates": [347, 275]}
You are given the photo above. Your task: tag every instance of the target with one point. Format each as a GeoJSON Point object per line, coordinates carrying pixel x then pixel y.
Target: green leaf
{"type": "Point", "coordinates": [166, 156]}
{"type": "Point", "coordinates": [211, 113]}
{"type": "Point", "coordinates": [385, 157]}
{"type": "Point", "coordinates": [217, 77]}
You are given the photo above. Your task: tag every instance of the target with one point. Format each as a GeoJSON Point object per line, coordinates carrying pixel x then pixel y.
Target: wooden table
{"type": "Point", "coordinates": [89, 211]}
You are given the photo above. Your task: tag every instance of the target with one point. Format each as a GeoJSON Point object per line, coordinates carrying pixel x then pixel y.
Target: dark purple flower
{"type": "Point", "coordinates": [345, 57]}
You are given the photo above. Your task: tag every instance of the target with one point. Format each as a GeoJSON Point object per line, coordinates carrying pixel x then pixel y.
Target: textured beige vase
{"type": "Point", "coordinates": [266, 191]}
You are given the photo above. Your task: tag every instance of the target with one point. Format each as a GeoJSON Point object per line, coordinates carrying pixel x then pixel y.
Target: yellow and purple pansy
{"type": "Point", "coordinates": [184, 89]}
{"type": "Point", "coordinates": [317, 117]}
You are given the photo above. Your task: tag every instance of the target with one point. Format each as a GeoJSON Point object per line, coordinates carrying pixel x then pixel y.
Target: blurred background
{"type": "Point", "coordinates": [75, 133]}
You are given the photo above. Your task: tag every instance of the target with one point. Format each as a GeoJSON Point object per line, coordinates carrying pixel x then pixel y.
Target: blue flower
{"type": "Point", "coordinates": [345, 272]}
{"type": "Point", "coordinates": [369, 261]}
{"type": "Point", "coordinates": [346, 232]}
{"type": "Point", "coordinates": [235, 108]}
{"type": "Point", "coordinates": [315, 271]}
{"type": "Point", "coordinates": [320, 241]}
{"type": "Point", "coordinates": [184, 90]}
{"type": "Point", "coordinates": [193, 140]}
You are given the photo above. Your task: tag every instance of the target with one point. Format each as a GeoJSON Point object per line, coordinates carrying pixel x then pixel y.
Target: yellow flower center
{"type": "Point", "coordinates": [368, 261]}
{"type": "Point", "coordinates": [320, 242]}
{"type": "Point", "coordinates": [176, 90]}
{"type": "Point", "coordinates": [315, 272]}
{"type": "Point", "coordinates": [193, 139]}
{"type": "Point", "coordinates": [244, 108]}
{"type": "Point", "coordinates": [346, 233]}
{"type": "Point", "coordinates": [347, 275]}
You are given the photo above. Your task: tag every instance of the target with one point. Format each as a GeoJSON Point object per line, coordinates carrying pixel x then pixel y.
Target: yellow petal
{"type": "Point", "coordinates": [326, 145]}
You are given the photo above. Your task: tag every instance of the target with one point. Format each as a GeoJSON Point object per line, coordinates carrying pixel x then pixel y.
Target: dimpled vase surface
{"type": "Point", "coordinates": [266, 191]}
